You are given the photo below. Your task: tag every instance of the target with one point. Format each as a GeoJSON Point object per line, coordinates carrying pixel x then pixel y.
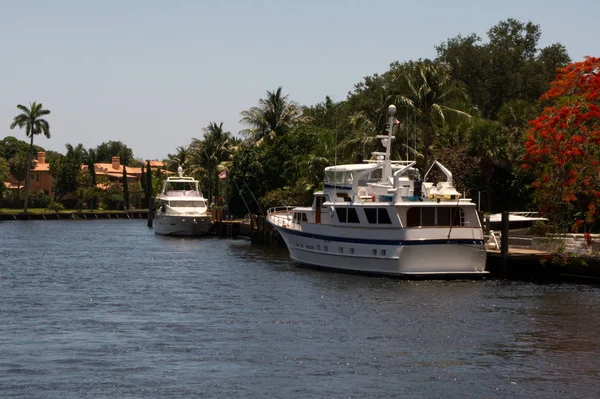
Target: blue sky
{"type": "Point", "coordinates": [153, 73]}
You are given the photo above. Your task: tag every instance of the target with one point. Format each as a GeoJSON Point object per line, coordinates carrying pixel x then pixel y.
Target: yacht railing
{"type": "Point", "coordinates": [282, 216]}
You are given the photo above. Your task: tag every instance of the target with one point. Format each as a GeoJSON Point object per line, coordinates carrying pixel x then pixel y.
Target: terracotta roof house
{"type": "Point", "coordinates": [41, 179]}
{"type": "Point", "coordinates": [107, 174]}
{"type": "Point", "coordinates": [113, 172]}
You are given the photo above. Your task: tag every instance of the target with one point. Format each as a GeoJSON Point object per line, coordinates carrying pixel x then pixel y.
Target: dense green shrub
{"type": "Point", "coordinates": [56, 206]}
{"type": "Point", "coordinates": [114, 202]}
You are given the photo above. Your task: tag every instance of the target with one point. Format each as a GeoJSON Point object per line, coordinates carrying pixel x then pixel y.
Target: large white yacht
{"type": "Point", "coordinates": [181, 208]}
{"type": "Point", "coordinates": [379, 217]}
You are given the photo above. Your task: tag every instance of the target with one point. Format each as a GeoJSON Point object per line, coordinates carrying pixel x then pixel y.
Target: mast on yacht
{"type": "Point", "coordinates": [386, 140]}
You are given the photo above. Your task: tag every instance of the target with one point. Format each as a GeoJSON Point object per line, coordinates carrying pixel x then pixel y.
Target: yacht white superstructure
{"type": "Point", "coordinates": [181, 208]}
{"type": "Point", "coordinates": [378, 217]}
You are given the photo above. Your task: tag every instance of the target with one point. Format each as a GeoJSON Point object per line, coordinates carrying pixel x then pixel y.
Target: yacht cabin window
{"type": "Point", "coordinates": [378, 215]}
{"type": "Point", "coordinates": [186, 204]}
{"type": "Point", "coordinates": [347, 215]}
{"type": "Point", "coordinates": [417, 216]}
{"type": "Point", "coordinates": [300, 217]}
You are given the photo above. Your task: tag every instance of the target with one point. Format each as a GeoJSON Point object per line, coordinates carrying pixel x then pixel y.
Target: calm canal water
{"type": "Point", "coordinates": [107, 309]}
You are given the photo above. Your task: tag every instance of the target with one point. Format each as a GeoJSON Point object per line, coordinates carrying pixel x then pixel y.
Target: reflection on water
{"type": "Point", "coordinates": [106, 308]}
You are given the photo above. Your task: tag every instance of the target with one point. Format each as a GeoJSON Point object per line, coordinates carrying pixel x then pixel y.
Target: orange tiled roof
{"type": "Point", "coordinates": [115, 174]}
{"type": "Point", "coordinates": [41, 167]}
{"type": "Point", "coordinates": [157, 164]}
{"type": "Point", "coordinates": [10, 185]}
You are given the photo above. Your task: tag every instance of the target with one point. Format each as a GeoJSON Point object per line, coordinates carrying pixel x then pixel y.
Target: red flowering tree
{"type": "Point", "coordinates": [563, 147]}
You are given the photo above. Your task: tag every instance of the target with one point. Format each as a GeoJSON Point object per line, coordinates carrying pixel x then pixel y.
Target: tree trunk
{"type": "Point", "coordinates": [28, 176]}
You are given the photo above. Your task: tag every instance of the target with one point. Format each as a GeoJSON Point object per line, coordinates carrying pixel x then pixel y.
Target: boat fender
{"type": "Point", "coordinates": [372, 198]}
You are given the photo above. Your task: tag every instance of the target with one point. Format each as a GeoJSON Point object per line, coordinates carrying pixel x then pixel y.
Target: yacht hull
{"type": "Point", "coordinates": [418, 257]}
{"type": "Point", "coordinates": [189, 226]}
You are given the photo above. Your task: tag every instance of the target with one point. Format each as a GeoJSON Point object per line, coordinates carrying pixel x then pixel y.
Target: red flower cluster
{"type": "Point", "coordinates": [563, 143]}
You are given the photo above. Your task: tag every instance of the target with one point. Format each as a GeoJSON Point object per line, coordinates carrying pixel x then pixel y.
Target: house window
{"type": "Point", "coordinates": [352, 250]}
{"type": "Point", "coordinates": [341, 250]}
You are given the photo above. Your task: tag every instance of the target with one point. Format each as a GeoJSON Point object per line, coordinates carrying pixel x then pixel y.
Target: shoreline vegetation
{"type": "Point", "coordinates": [519, 125]}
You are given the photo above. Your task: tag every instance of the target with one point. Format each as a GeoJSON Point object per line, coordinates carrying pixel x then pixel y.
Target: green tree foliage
{"type": "Point", "coordinates": [10, 146]}
{"type": "Point", "coordinates": [31, 119]}
{"type": "Point", "coordinates": [428, 101]}
{"type": "Point", "coordinates": [149, 192]}
{"type": "Point", "coordinates": [66, 170]}
{"type": "Point", "coordinates": [4, 176]}
{"type": "Point", "coordinates": [105, 152]}
{"type": "Point", "coordinates": [508, 67]}
{"type": "Point", "coordinates": [125, 188]}
{"type": "Point", "coordinates": [18, 168]}
{"type": "Point", "coordinates": [274, 116]}
{"type": "Point", "coordinates": [211, 155]}
{"type": "Point", "coordinates": [180, 158]}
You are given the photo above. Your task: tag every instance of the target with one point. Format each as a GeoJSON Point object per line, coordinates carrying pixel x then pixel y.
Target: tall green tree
{"type": "Point", "coordinates": [509, 66]}
{"type": "Point", "coordinates": [368, 117]}
{"type": "Point", "coordinates": [431, 94]}
{"type": "Point", "coordinates": [18, 168]}
{"type": "Point", "coordinates": [125, 188]}
{"type": "Point", "coordinates": [31, 119]}
{"type": "Point", "coordinates": [4, 176]}
{"type": "Point", "coordinates": [107, 150]}
{"type": "Point", "coordinates": [66, 170]}
{"type": "Point", "coordinates": [149, 189]}
{"type": "Point", "coordinates": [180, 158]}
{"type": "Point", "coordinates": [212, 154]}
{"type": "Point", "coordinates": [274, 116]}
{"type": "Point", "coordinates": [91, 158]}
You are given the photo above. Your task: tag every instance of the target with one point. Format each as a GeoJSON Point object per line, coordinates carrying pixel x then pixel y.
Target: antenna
{"type": "Point", "coordinates": [406, 111]}
{"type": "Point", "coordinates": [336, 131]}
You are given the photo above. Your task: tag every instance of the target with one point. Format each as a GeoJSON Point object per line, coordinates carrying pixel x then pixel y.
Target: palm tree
{"type": "Point", "coordinates": [211, 155]}
{"type": "Point", "coordinates": [31, 119]}
{"type": "Point", "coordinates": [274, 116]}
{"type": "Point", "coordinates": [178, 159]}
{"type": "Point", "coordinates": [430, 90]}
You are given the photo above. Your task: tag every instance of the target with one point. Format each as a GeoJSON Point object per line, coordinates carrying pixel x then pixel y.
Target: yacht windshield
{"type": "Point", "coordinates": [334, 177]}
{"type": "Point", "coordinates": [186, 204]}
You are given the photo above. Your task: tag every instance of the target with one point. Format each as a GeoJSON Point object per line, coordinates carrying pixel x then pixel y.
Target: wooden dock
{"type": "Point", "coordinates": [532, 264]}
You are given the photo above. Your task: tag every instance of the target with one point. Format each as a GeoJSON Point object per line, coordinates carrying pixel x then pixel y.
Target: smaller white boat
{"type": "Point", "coordinates": [519, 223]}
{"type": "Point", "coordinates": [181, 208]}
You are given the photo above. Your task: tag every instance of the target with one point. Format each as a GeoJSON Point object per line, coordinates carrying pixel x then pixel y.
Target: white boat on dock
{"type": "Point", "coordinates": [378, 217]}
{"type": "Point", "coordinates": [182, 210]}
{"type": "Point", "coordinates": [519, 223]}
